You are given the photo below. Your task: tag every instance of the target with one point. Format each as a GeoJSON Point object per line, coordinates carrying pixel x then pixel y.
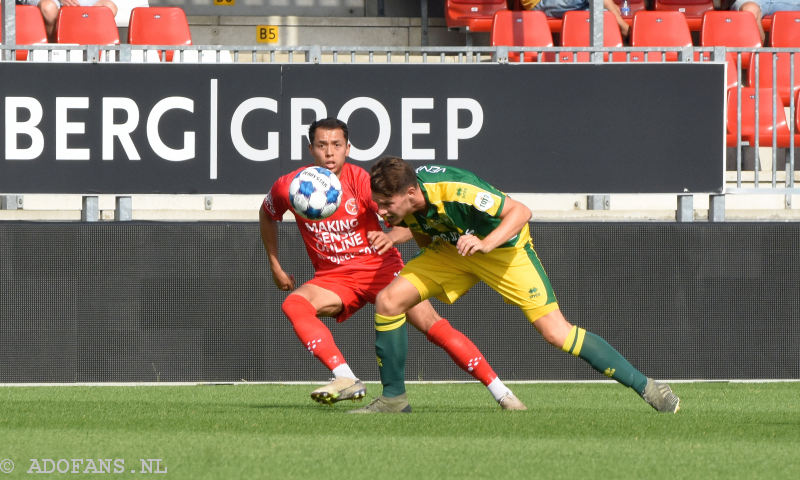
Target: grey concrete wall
{"type": "Point", "coordinates": [320, 22]}
{"type": "Point", "coordinates": [307, 8]}
{"type": "Point", "coordinates": [339, 31]}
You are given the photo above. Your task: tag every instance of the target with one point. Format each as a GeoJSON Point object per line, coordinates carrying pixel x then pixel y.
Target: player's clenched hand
{"type": "Point", "coordinates": [379, 241]}
{"type": "Point", "coordinates": [283, 280]}
{"type": "Point", "coordinates": [469, 244]}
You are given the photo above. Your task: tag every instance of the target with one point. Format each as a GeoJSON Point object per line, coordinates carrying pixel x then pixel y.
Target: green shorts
{"type": "Point", "coordinates": [514, 272]}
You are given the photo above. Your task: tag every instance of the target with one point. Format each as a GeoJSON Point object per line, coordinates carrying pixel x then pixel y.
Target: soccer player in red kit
{"type": "Point", "coordinates": [353, 260]}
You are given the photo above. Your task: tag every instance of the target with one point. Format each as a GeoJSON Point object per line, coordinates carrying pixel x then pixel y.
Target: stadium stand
{"type": "Point", "coordinates": [528, 28]}
{"type": "Point", "coordinates": [730, 29]}
{"type": "Point", "coordinates": [575, 33]}
{"type": "Point", "coordinates": [29, 28]}
{"type": "Point", "coordinates": [159, 26]}
{"type": "Point", "coordinates": [332, 23]}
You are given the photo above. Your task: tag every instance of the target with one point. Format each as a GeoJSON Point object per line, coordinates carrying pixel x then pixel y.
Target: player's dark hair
{"type": "Point", "coordinates": [329, 123]}
{"type": "Point", "coordinates": [391, 175]}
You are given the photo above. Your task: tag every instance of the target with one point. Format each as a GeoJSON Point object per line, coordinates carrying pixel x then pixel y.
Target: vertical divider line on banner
{"type": "Point", "coordinates": [212, 133]}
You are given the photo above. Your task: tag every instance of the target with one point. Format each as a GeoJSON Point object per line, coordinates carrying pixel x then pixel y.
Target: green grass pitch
{"type": "Point", "coordinates": [574, 431]}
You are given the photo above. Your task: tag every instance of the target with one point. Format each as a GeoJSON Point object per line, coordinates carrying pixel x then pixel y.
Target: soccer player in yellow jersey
{"type": "Point", "coordinates": [347, 277]}
{"type": "Point", "coordinates": [470, 231]}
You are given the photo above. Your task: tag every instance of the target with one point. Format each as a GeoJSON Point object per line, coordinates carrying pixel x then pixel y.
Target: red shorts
{"type": "Point", "coordinates": [357, 287]}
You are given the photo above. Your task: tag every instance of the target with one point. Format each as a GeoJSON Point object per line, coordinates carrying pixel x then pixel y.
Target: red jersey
{"type": "Point", "coordinates": [341, 239]}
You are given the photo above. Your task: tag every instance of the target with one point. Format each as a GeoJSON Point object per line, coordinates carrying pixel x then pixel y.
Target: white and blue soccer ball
{"type": "Point", "coordinates": [315, 193]}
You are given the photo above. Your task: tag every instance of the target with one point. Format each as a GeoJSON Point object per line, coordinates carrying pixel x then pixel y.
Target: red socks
{"type": "Point", "coordinates": [311, 331]}
{"type": "Point", "coordinates": [461, 350]}
{"type": "Point", "coordinates": [318, 340]}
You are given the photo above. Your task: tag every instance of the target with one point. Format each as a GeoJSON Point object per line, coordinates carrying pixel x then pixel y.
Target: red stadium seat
{"type": "Point", "coordinates": [733, 29]}
{"type": "Point", "coordinates": [659, 29]}
{"type": "Point", "coordinates": [472, 15]}
{"type": "Point", "coordinates": [527, 28]}
{"type": "Point", "coordinates": [30, 28]}
{"type": "Point", "coordinates": [159, 26]}
{"type": "Point", "coordinates": [575, 33]}
{"type": "Point", "coordinates": [785, 31]}
{"type": "Point", "coordinates": [86, 26]}
{"type": "Point", "coordinates": [786, 88]}
{"type": "Point", "coordinates": [765, 124]}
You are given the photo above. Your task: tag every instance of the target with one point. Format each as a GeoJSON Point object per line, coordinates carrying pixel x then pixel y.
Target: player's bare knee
{"type": "Point", "coordinates": [385, 303]}
{"type": "Point", "coordinates": [554, 328]}
{"type": "Point", "coordinates": [551, 336]}
{"type": "Point", "coordinates": [382, 303]}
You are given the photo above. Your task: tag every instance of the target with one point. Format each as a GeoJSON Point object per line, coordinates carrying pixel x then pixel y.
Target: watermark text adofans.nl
{"type": "Point", "coordinates": [84, 466]}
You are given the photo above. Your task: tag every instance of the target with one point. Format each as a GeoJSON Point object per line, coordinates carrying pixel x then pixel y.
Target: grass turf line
{"type": "Point", "coordinates": [724, 430]}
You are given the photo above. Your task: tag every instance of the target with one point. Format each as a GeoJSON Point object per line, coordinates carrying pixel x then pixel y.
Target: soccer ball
{"type": "Point", "coordinates": [315, 193]}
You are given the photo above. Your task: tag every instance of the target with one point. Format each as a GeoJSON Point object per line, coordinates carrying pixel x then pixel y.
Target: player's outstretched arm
{"type": "Point", "coordinates": [269, 237]}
